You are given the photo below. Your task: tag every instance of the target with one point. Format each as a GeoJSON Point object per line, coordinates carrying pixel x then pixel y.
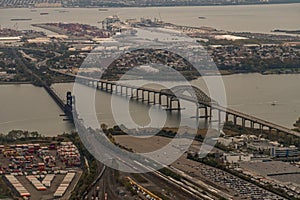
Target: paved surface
{"type": "Point", "coordinates": [216, 178]}
{"type": "Point", "coordinates": [286, 172]}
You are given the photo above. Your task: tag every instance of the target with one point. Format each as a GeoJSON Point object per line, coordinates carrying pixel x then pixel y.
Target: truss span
{"type": "Point", "coordinates": [188, 92]}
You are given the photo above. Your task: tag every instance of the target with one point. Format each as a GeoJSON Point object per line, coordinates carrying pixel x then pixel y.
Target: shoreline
{"type": "Point", "coordinates": [154, 6]}
{"type": "Point", "coordinates": [224, 73]}
{"type": "Point", "coordinates": [15, 83]}
{"type": "Point", "coordinates": [28, 82]}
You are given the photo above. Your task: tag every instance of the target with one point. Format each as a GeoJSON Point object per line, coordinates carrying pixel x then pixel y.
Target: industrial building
{"type": "Point", "coordinates": [281, 152]}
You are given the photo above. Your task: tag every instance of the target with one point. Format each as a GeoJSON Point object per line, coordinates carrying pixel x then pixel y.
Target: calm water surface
{"type": "Point", "coordinates": [249, 93]}
{"type": "Point", "coordinates": [252, 18]}
{"type": "Point", "coordinates": [31, 108]}
{"type": "Point", "coordinates": [27, 107]}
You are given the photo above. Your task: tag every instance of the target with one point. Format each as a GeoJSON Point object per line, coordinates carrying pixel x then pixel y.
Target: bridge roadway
{"type": "Point", "coordinates": [108, 87]}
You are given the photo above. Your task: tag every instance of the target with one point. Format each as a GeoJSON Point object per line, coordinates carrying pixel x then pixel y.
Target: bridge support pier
{"type": "Point", "coordinates": [108, 86]}
{"type": "Point", "coordinates": [154, 98]}
{"type": "Point", "coordinates": [167, 100]}
{"type": "Point", "coordinates": [111, 88]}
{"type": "Point", "coordinates": [117, 91]}
{"type": "Point", "coordinates": [132, 91]}
{"type": "Point", "coordinates": [127, 92]}
{"type": "Point", "coordinates": [251, 124]}
{"type": "Point", "coordinates": [261, 128]}
{"type": "Point", "coordinates": [143, 96]}
{"type": "Point", "coordinates": [198, 112]}
{"type": "Point", "coordinates": [149, 98]}
{"type": "Point", "coordinates": [137, 94]}
{"type": "Point", "coordinates": [170, 103]}
{"type": "Point", "coordinates": [159, 99]}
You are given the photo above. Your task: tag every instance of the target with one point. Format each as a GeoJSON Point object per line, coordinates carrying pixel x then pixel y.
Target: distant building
{"type": "Point", "coordinates": [280, 152]}
{"type": "Point", "coordinates": [229, 37]}
{"type": "Point", "coordinates": [109, 22]}
{"type": "Point", "coordinates": [47, 5]}
{"type": "Point", "coordinates": [12, 41]}
{"type": "Point", "coordinates": [237, 157]}
{"type": "Point", "coordinates": [39, 40]}
{"type": "Point", "coordinates": [227, 141]}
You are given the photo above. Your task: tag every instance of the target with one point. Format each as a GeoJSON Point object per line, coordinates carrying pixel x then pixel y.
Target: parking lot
{"type": "Point", "coordinates": [233, 185]}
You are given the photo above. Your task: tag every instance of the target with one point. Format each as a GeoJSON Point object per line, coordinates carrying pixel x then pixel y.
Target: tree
{"type": "Point", "coordinates": [104, 127]}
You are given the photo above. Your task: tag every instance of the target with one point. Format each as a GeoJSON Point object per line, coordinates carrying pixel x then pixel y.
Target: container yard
{"type": "Point", "coordinates": [48, 180]}
{"type": "Point", "coordinates": [40, 171]}
{"type": "Point", "coordinates": [36, 183]}
{"type": "Point", "coordinates": [17, 186]}
{"type": "Point", "coordinates": [64, 185]}
{"type": "Point", "coordinates": [69, 154]}
{"type": "Point", "coordinates": [38, 158]}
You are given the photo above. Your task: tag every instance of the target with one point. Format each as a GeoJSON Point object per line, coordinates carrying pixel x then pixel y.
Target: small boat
{"type": "Point", "coordinates": [63, 11]}
{"type": "Point", "coordinates": [20, 19]}
{"type": "Point", "coordinates": [44, 13]}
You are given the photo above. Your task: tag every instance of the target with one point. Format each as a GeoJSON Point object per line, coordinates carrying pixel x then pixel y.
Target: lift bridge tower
{"type": "Point", "coordinates": [69, 105]}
